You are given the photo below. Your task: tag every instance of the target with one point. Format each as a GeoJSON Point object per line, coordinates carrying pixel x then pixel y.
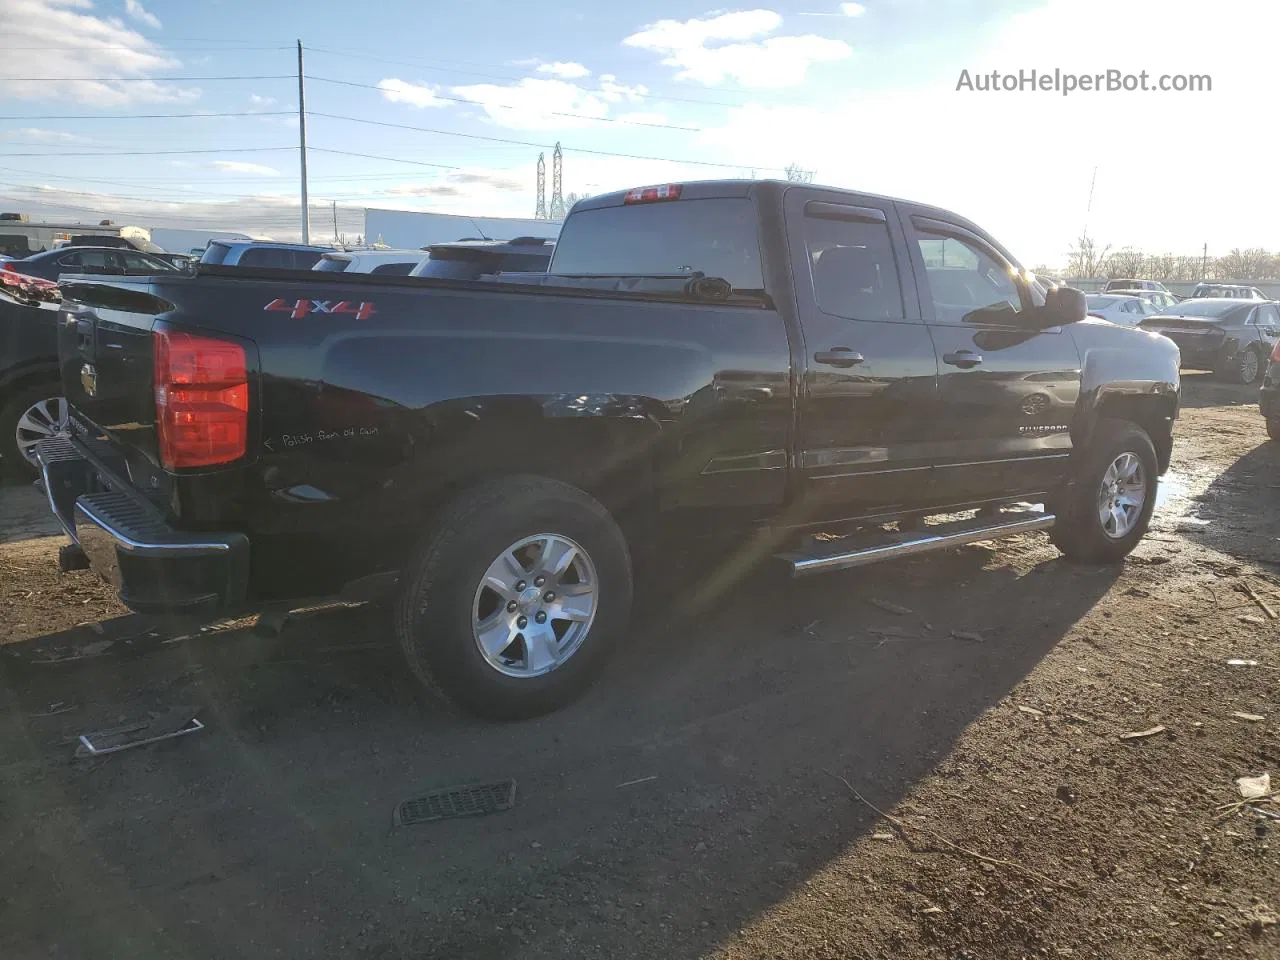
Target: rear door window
{"type": "Point", "coordinates": [853, 270]}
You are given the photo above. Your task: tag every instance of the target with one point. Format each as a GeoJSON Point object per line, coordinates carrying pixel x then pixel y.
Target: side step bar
{"type": "Point", "coordinates": [838, 555]}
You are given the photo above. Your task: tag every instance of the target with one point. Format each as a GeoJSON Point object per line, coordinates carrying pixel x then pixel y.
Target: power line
{"type": "Point", "coordinates": [153, 52]}
{"type": "Point", "coordinates": [507, 106]}
{"type": "Point", "coordinates": [374, 156]}
{"type": "Point", "coordinates": [150, 153]}
{"type": "Point", "coordinates": [270, 76]}
{"type": "Point", "coordinates": [530, 143]}
{"type": "Point", "coordinates": [143, 116]}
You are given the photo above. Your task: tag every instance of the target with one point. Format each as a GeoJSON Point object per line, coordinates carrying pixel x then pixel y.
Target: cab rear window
{"type": "Point", "coordinates": [716, 236]}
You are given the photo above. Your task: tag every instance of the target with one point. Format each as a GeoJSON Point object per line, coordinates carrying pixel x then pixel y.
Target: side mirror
{"type": "Point", "coordinates": [1062, 305]}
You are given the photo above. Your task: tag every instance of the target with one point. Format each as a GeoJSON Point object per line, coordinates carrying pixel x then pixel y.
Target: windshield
{"type": "Point", "coordinates": [715, 236]}
{"type": "Point", "coordinates": [329, 264]}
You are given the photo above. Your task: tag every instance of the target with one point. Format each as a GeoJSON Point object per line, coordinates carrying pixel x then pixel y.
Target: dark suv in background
{"type": "Point", "coordinates": [1233, 338]}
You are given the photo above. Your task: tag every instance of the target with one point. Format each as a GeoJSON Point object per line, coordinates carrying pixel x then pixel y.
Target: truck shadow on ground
{"type": "Point", "coordinates": [688, 792]}
{"type": "Point", "coordinates": [1240, 508]}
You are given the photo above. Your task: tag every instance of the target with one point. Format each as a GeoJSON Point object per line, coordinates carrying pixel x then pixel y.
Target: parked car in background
{"type": "Point", "coordinates": [469, 259]}
{"type": "Point", "coordinates": [1230, 291]}
{"type": "Point", "coordinates": [746, 361]}
{"type": "Point", "coordinates": [396, 263]}
{"type": "Point", "coordinates": [1125, 309]}
{"type": "Point", "coordinates": [183, 261]}
{"type": "Point", "coordinates": [32, 407]}
{"type": "Point", "coordinates": [262, 253]}
{"type": "Point", "coordinates": [113, 261]}
{"type": "Point", "coordinates": [1162, 300]}
{"type": "Point", "coordinates": [1231, 338]}
{"type": "Point", "coordinates": [1130, 285]}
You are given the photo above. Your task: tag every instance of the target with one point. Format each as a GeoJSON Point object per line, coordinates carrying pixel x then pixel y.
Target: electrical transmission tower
{"type": "Point", "coordinates": [557, 184]}
{"type": "Point", "coordinates": [541, 212]}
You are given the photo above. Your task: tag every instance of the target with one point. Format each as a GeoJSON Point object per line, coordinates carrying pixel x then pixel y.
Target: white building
{"type": "Point", "coordinates": [410, 230]}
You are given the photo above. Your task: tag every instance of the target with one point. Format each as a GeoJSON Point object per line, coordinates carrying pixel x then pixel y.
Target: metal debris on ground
{"type": "Point", "coordinates": [1142, 734]}
{"type": "Point", "coordinates": [1031, 710]}
{"type": "Point", "coordinates": [632, 783]}
{"type": "Point", "coordinates": [175, 722]}
{"type": "Point", "coordinates": [968, 635]}
{"type": "Point", "coordinates": [1253, 717]}
{"type": "Point", "coordinates": [1242, 663]}
{"type": "Point", "coordinates": [450, 803]}
{"type": "Point", "coordinates": [1256, 621]}
{"type": "Point", "coordinates": [888, 607]}
{"type": "Point", "coordinates": [886, 837]}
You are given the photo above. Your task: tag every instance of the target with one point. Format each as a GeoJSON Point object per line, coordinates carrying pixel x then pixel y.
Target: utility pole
{"type": "Point", "coordinates": [1204, 262]}
{"type": "Point", "coordinates": [302, 146]}
{"type": "Point", "coordinates": [335, 221]}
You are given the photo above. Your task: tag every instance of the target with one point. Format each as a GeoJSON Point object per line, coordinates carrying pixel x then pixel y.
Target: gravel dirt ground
{"type": "Point", "coordinates": [714, 794]}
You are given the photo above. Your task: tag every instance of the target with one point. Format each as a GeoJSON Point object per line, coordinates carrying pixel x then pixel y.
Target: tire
{"type": "Point", "coordinates": [1247, 368]}
{"type": "Point", "coordinates": [1273, 428]}
{"type": "Point", "coordinates": [443, 592]}
{"type": "Point", "coordinates": [1080, 532]}
{"type": "Point", "coordinates": [37, 405]}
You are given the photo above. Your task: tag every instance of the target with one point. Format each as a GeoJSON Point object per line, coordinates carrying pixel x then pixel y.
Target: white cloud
{"type": "Point", "coordinates": [615, 92]}
{"type": "Point", "coordinates": [240, 166]}
{"type": "Point", "coordinates": [534, 103]}
{"type": "Point", "coordinates": [852, 9]}
{"type": "Point", "coordinates": [565, 71]}
{"type": "Point", "coordinates": [1020, 163]}
{"type": "Point", "coordinates": [734, 46]}
{"type": "Point", "coordinates": [260, 101]}
{"type": "Point", "coordinates": [63, 38]}
{"type": "Point", "coordinates": [418, 95]}
{"type": "Point", "coordinates": [140, 13]}
{"type": "Point", "coordinates": [41, 135]}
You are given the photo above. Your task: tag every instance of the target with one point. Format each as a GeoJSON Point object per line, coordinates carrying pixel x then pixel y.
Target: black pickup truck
{"type": "Point", "coordinates": [757, 362]}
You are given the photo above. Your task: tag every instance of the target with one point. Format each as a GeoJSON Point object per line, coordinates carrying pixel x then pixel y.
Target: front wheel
{"type": "Point", "coordinates": [516, 597]}
{"type": "Point", "coordinates": [1105, 512]}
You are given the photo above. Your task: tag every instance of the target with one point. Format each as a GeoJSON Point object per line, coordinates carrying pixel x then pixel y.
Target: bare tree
{"type": "Point", "coordinates": [1127, 262]}
{"type": "Point", "coordinates": [1085, 260]}
{"type": "Point", "coordinates": [1251, 264]}
{"type": "Point", "coordinates": [798, 175]}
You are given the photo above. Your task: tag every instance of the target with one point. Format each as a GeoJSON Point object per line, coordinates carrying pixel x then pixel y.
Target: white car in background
{"type": "Point", "coordinates": [396, 263]}
{"type": "Point", "coordinates": [1125, 310]}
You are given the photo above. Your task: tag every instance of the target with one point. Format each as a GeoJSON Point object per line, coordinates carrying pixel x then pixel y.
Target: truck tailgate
{"type": "Point", "coordinates": [106, 357]}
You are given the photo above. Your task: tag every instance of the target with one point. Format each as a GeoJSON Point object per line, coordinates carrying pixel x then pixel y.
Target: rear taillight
{"type": "Point", "coordinates": [202, 400]}
{"type": "Point", "coordinates": [668, 191]}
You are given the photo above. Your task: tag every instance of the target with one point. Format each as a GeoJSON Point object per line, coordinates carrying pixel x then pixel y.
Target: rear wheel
{"type": "Point", "coordinates": [516, 598]}
{"type": "Point", "coordinates": [33, 414]}
{"type": "Point", "coordinates": [1103, 515]}
{"type": "Point", "coordinates": [1246, 368]}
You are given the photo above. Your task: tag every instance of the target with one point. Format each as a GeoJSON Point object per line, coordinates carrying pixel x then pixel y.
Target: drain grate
{"type": "Point", "coordinates": [449, 803]}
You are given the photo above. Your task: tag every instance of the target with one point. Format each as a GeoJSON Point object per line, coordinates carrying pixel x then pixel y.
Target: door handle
{"type": "Point", "coordinates": [839, 357]}
{"type": "Point", "coordinates": [964, 359]}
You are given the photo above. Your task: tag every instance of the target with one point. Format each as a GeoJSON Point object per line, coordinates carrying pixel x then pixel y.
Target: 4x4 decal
{"type": "Point", "coordinates": [297, 309]}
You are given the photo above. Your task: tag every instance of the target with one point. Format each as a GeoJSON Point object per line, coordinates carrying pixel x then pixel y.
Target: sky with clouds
{"type": "Point", "coordinates": [446, 107]}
